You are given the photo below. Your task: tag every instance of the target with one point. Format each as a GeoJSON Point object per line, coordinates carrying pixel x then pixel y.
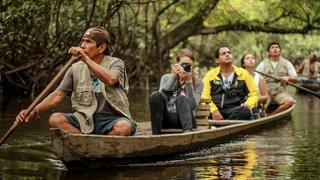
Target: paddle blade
{"type": "Point", "coordinates": [9, 132]}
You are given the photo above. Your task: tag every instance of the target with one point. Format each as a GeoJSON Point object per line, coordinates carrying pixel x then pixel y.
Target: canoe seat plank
{"type": "Point", "coordinates": [169, 131]}
{"type": "Point", "coordinates": [225, 122]}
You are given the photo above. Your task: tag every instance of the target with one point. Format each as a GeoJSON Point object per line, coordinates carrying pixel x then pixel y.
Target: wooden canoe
{"type": "Point", "coordinates": [73, 148]}
{"type": "Point", "coordinates": [311, 86]}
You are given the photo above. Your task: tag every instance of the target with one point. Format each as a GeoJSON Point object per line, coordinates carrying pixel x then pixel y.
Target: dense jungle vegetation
{"type": "Point", "coordinates": [36, 34]}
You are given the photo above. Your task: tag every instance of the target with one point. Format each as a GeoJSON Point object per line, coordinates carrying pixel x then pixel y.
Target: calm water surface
{"type": "Point", "coordinates": [288, 151]}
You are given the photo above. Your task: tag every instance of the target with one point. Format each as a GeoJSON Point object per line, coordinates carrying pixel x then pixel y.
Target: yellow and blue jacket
{"type": "Point", "coordinates": [242, 90]}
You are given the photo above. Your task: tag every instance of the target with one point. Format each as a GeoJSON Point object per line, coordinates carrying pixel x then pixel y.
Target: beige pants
{"type": "Point", "coordinates": [280, 98]}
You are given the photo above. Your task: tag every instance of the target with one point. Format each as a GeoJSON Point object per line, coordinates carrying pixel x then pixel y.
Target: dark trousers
{"type": "Point", "coordinates": [237, 113]}
{"type": "Point", "coordinates": [161, 118]}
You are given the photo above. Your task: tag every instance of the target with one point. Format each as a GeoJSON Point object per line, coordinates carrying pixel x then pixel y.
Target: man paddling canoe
{"type": "Point", "coordinates": [310, 70]}
{"type": "Point", "coordinates": [98, 85]}
{"type": "Point", "coordinates": [276, 65]}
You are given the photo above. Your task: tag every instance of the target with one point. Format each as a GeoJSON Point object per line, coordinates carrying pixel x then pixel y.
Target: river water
{"type": "Point", "coordinates": [288, 151]}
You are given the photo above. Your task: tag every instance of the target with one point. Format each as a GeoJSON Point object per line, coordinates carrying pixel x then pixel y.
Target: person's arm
{"type": "Point", "coordinates": [106, 76]}
{"type": "Point", "coordinates": [118, 68]}
{"type": "Point", "coordinates": [51, 101]}
{"type": "Point", "coordinates": [263, 90]}
{"type": "Point", "coordinates": [292, 75]}
{"type": "Point", "coordinates": [318, 70]}
{"type": "Point", "coordinates": [190, 95]}
{"type": "Point", "coordinates": [216, 115]}
{"type": "Point", "coordinates": [193, 95]}
{"type": "Point", "coordinates": [253, 97]}
{"type": "Point", "coordinates": [300, 68]}
{"type": "Point", "coordinates": [167, 82]}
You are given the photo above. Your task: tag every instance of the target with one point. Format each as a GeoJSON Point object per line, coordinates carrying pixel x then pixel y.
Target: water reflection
{"type": "Point", "coordinates": [290, 151]}
{"type": "Point", "coordinates": [29, 162]}
{"type": "Point", "coordinates": [135, 173]}
{"type": "Point", "coordinates": [238, 161]}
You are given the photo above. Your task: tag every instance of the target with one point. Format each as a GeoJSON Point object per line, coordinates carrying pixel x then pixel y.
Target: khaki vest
{"type": "Point", "coordinates": [83, 99]}
{"type": "Point", "coordinates": [274, 87]}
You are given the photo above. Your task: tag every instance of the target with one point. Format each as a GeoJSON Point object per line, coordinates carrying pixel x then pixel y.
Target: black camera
{"type": "Point", "coordinates": [186, 67]}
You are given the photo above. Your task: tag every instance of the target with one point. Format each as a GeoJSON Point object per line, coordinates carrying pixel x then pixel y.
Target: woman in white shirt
{"type": "Point", "coordinates": [248, 62]}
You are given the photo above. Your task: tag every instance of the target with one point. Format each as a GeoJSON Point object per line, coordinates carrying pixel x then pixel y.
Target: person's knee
{"type": "Point", "coordinates": [181, 99]}
{"type": "Point", "coordinates": [122, 128]}
{"type": "Point", "coordinates": [288, 104]}
{"type": "Point", "coordinates": [242, 112]}
{"type": "Point", "coordinates": [56, 119]}
{"type": "Point", "coordinates": [155, 95]}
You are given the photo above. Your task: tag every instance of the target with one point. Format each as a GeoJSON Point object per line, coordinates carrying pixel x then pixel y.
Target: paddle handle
{"type": "Point", "coordinates": [291, 84]}
{"type": "Point", "coordinates": [40, 97]}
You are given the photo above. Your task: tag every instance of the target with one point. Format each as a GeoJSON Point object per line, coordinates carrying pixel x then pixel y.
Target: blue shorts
{"type": "Point", "coordinates": [102, 124]}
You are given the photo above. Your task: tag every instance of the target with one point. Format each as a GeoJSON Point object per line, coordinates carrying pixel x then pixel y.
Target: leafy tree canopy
{"type": "Point", "coordinates": [147, 33]}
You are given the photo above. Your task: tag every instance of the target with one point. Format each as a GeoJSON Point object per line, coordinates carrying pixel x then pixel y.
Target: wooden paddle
{"type": "Point", "coordinates": [291, 84]}
{"type": "Point", "coordinates": [40, 97]}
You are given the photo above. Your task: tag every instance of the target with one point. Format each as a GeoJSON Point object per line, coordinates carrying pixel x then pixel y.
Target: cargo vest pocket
{"type": "Point", "coordinates": [84, 95]}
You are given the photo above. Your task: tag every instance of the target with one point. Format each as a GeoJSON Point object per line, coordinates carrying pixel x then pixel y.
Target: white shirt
{"type": "Point", "coordinates": [256, 79]}
{"type": "Point", "coordinates": [227, 81]}
{"type": "Point", "coordinates": [290, 67]}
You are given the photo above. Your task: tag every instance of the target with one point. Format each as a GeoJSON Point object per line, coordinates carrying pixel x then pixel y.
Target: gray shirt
{"type": "Point", "coordinates": [169, 83]}
{"type": "Point", "coordinates": [103, 108]}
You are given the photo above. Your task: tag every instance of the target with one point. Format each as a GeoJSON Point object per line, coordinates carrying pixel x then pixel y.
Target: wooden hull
{"type": "Point", "coordinates": [311, 86]}
{"type": "Point", "coordinates": [74, 148]}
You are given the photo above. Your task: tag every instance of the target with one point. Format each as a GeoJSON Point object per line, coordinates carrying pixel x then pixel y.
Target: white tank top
{"type": "Point", "coordinates": [256, 79]}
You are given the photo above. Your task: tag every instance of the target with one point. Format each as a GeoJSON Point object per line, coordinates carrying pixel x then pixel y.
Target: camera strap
{"type": "Point", "coordinates": [180, 86]}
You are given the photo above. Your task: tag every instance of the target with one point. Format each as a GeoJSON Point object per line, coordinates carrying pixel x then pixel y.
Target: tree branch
{"type": "Point", "coordinates": [255, 28]}
{"type": "Point", "coordinates": [91, 14]}
{"type": "Point", "coordinates": [189, 27]}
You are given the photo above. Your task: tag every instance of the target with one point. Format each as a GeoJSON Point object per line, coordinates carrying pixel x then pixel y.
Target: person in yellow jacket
{"type": "Point", "coordinates": [231, 89]}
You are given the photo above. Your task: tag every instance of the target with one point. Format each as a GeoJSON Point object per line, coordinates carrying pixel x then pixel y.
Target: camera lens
{"type": "Point", "coordinates": [186, 67]}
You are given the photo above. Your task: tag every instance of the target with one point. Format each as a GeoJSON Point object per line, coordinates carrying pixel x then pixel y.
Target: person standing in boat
{"type": "Point", "coordinates": [248, 62]}
{"type": "Point", "coordinates": [310, 69]}
{"type": "Point", "coordinates": [178, 96]}
{"type": "Point", "coordinates": [231, 89]}
{"type": "Point", "coordinates": [277, 66]}
{"type": "Point", "coordinates": [98, 85]}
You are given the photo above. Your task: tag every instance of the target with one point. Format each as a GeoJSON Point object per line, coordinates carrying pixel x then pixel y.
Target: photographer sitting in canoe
{"type": "Point", "coordinates": [310, 69]}
{"type": "Point", "coordinates": [178, 96]}
{"type": "Point", "coordinates": [231, 89]}
{"type": "Point", "coordinates": [98, 84]}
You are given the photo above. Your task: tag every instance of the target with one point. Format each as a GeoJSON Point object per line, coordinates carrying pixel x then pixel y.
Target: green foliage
{"type": "Point", "coordinates": [42, 31]}
{"type": "Point", "coordinates": [24, 29]}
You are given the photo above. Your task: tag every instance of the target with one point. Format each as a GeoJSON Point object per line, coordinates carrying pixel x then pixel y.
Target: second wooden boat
{"type": "Point", "coordinates": [311, 86]}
